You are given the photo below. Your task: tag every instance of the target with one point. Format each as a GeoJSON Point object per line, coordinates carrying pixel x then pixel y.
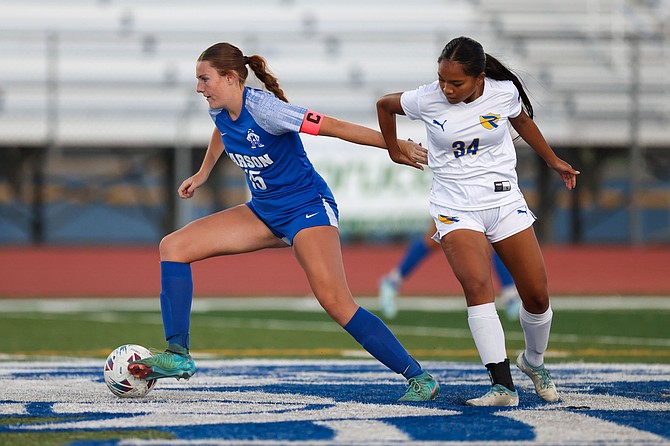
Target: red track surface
{"type": "Point", "coordinates": [134, 271]}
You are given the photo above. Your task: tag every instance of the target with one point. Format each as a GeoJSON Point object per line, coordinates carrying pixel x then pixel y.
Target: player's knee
{"type": "Point", "coordinates": [474, 287]}
{"type": "Point", "coordinates": [536, 303]}
{"type": "Point", "coordinates": [169, 248]}
{"type": "Point", "coordinates": [339, 308]}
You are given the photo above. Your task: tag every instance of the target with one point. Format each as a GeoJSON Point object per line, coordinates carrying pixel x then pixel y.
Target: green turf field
{"type": "Point", "coordinates": [589, 335]}
{"type": "Point", "coordinates": [293, 328]}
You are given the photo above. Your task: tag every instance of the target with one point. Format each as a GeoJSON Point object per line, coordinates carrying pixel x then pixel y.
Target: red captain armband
{"type": "Point", "coordinates": [311, 123]}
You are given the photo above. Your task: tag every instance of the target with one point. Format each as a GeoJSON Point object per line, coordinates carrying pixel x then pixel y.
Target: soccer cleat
{"type": "Point", "coordinates": [498, 395]}
{"type": "Point", "coordinates": [421, 388]}
{"type": "Point", "coordinates": [388, 291]}
{"type": "Point", "coordinates": [163, 365]}
{"type": "Point", "coordinates": [544, 385]}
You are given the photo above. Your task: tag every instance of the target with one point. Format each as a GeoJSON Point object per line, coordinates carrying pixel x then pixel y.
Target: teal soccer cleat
{"type": "Point", "coordinates": [421, 388]}
{"type": "Point", "coordinates": [163, 365]}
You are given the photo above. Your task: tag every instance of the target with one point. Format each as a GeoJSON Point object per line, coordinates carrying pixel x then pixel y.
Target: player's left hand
{"type": "Point", "coordinates": [412, 154]}
{"type": "Point", "coordinates": [566, 172]}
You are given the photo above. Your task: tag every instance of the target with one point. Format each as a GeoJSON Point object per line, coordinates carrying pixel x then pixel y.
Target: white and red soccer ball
{"type": "Point", "coordinates": [117, 377]}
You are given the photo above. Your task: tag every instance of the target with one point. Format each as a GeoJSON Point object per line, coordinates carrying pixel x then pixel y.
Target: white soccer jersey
{"type": "Point", "coordinates": [470, 149]}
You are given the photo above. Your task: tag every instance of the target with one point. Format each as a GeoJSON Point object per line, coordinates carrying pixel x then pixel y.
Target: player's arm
{"type": "Point", "coordinates": [214, 151]}
{"type": "Point", "coordinates": [318, 124]}
{"type": "Point", "coordinates": [528, 130]}
{"type": "Point", "coordinates": [388, 106]}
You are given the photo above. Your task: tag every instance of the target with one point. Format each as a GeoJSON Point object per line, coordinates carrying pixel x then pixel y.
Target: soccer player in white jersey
{"type": "Point", "coordinates": [291, 206]}
{"type": "Point", "coordinates": [416, 253]}
{"type": "Point", "coordinates": [475, 200]}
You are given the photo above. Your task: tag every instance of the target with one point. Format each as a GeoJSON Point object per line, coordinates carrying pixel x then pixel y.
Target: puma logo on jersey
{"type": "Point", "coordinates": [489, 121]}
{"type": "Point", "coordinates": [436, 122]}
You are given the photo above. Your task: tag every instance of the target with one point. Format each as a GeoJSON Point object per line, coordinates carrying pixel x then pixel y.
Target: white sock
{"type": "Point", "coordinates": [487, 333]}
{"type": "Point", "coordinates": [536, 328]}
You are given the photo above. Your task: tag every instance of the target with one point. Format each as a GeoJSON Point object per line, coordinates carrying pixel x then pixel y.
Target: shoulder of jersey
{"type": "Point", "coordinates": [428, 89]}
{"type": "Point", "coordinates": [505, 86]}
{"type": "Point", "coordinates": [260, 98]}
{"type": "Point", "coordinates": [256, 93]}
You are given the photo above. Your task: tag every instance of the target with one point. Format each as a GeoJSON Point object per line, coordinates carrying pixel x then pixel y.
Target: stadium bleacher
{"type": "Point", "coordinates": [114, 61]}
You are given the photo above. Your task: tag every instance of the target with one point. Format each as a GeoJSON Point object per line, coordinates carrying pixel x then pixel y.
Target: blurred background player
{"type": "Point", "coordinates": [418, 251]}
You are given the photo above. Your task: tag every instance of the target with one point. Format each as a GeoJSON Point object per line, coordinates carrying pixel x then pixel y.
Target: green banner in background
{"type": "Point", "coordinates": [377, 198]}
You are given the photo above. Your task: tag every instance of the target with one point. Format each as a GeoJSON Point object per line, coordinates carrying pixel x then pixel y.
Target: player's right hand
{"type": "Point", "coordinates": [189, 185]}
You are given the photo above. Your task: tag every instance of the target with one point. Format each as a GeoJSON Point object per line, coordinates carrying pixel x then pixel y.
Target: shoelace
{"type": "Point", "coordinates": [496, 391]}
{"type": "Point", "coordinates": [414, 385]}
{"type": "Point", "coordinates": [543, 373]}
{"type": "Point", "coordinates": [546, 377]}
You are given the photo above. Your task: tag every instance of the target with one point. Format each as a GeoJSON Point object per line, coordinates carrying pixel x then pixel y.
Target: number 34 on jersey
{"type": "Point", "coordinates": [463, 148]}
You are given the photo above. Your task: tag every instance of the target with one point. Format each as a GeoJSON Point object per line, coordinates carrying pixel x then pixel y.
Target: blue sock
{"type": "Point", "coordinates": [176, 298]}
{"type": "Point", "coordinates": [414, 255]}
{"type": "Point", "coordinates": [502, 272]}
{"type": "Point", "coordinates": [369, 331]}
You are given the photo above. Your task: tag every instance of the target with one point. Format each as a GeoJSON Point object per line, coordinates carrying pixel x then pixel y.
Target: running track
{"type": "Point", "coordinates": [134, 272]}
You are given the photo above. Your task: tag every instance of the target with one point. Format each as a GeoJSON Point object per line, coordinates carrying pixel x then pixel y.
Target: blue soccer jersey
{"type": "Point", "coordinates": [264, 142]}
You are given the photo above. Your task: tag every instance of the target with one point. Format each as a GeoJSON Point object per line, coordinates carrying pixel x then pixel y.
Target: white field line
{"type": "Point", "coordinates": [332, 327]}
{"type": "Point", "coordinates": [309, 304]}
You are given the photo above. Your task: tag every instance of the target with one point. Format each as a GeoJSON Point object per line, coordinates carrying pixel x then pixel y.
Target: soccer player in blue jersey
{"type": "Point", "coordinates": [418, 251]}
{"type": "Point", "coordinates": [291, 206]}
{"type": "Point", "coordinates": [476, 202]}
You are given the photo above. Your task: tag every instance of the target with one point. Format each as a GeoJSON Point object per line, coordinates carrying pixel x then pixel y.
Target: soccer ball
{"type": "Point", "coordinates": [117, 377]}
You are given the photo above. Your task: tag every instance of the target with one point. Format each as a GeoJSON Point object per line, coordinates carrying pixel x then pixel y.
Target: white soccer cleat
{"type": "Point", "coordinates": [511, 301]}
{"type": "Point", "coordinates": [544, 385]}
{"type": "Point", "coordinates": [498, 395]}
{"type": "Point", "coordinates": [388, 291]}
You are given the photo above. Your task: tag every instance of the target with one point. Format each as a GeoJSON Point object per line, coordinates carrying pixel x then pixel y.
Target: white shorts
{"type": "Point", "coordinates": [496, 223]}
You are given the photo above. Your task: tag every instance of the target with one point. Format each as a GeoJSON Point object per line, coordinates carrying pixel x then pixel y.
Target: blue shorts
{"type": "Point", "coordinates": [285, 225]}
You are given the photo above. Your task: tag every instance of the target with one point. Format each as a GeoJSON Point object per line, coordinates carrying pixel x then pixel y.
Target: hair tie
{"type": "Point", "coordinates": [245, 60]}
